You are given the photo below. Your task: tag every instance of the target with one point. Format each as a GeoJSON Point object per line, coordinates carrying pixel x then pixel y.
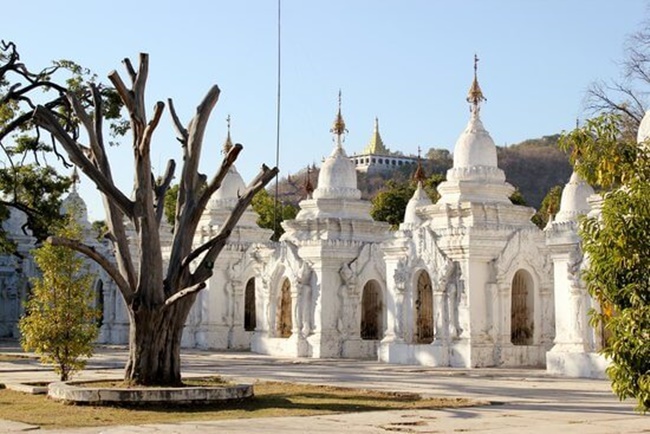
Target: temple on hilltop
{"type": "Point", "coordinates": [376, 157]}
{"type": "Point", "coordinates": [466, 282]}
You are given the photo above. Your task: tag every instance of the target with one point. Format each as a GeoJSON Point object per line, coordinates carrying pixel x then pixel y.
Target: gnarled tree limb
{"type": "Point", "coordinates": [214, 246]}
{"type": "Point", "coordinates": [215, 182]}
{"type": "Point", "coordinates": [100, 259]}
{"type": "Point", "coordinates": [178, 126]}
{"type": "Point", "coordinates": [184, 293]}
{"type": "Point", "coordinates": [45, 119]}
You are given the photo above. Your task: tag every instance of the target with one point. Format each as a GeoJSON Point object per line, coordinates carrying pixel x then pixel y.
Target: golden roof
{"type": "Point", "coordinates": [376, 144]}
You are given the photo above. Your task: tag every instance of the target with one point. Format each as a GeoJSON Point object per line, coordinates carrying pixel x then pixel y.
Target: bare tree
{"type": "Point", "coordinates": [158, 302]}
{"type": "Point", "coordinates": [627, 96]}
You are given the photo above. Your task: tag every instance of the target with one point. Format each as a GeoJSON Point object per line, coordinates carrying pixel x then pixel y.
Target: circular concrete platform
{"type": "Point", "coordinates": [83, 392]}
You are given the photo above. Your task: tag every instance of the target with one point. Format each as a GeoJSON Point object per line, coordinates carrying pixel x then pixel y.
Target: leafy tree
{"type": "Point", "coordinates": [27, 181]}
{"type": "Point", "coordinates": [616, 243]}
{"type": "Point", "coordinates": [170, 203]}
{"type": "Point", "coordinates": [264, 204]}
{"type": "Point", "coordinates": [158, 298]}
{"type": "Point", "coordinates": [60, 322]}
{"type": "Point", "coordinates": [550, 206]}
{"type": "Point", "coordinates": [100, 229]}
{"type": "Point", "coordinates": [390, 203]}
{"type": "Point", "coordinates": [517, 198]}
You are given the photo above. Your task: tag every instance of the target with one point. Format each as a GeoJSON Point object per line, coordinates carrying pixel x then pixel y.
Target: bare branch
{"type": "Point", "coordinates": [98, 150]}
{"type": "Point", "coordinates": [214, 246]}
{"type": "Point", "coordinates": [129, 68]}
{"type": "Point", "coordinates": [151, 127]}
{"type": "Point", "coordinates": [178, 126]}
{"type": "Point", "coordinates": [45, 119]}
{"type": "Point", "coordinates": [184, 293]}
{"type": "Point", "coordinates": [196, 131]}
{"type": "Point", "coordinates": [24, 118]}
{"type": "Point", "coordinates": [216, 181]}
{"type": "Point", "coordinates": [100, 259]}
{"type": "Point", "coordinates": [126, 95]}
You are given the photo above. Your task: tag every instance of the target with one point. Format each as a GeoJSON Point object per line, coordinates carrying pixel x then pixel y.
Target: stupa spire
{"type": "Point", "coordinates": [309, 187]}
{"type": "Point", "coordinates": [338, 128]}
{"type": "Point", "coordinates": [227, 145]}
{"type": "Point", "coordinates": [75, 179]}
{"type": "Point", "coordinates": [475, 95]}
{"type": "Point", "coordinates": [419, 175]}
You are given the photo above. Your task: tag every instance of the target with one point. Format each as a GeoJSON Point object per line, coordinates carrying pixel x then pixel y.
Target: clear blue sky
{"type": "Point", "coordinates": [408, 62]}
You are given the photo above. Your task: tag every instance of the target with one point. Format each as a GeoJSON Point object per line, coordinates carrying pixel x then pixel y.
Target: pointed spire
{"type": "Point", "coordinates": [309, 187]}
{"type": "Point", "coordinates": [419, 175]}
{"type": "Point", "coordinates": [75, 179]}
{"type": "Point", "coordinates": [227, 145]}
{"type": "Point", "coordinates": [475, 94]}
{"type": "Point", "coordinates": [338, 128]}
{"type": "Point", "coordinates": [376, 144]}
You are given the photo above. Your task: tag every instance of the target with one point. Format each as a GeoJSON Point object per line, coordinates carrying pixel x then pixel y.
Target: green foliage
{"type": "Point", "coordinates": [39, 189]}
{"type": "Point", "coordinates": [60, 325]}
{"type": "Point", "coordinates": [390, 203]}
{"type": "Point", "coordinates": [600, 153]}
{"type": "Point", "coordinates": [550, 206]}
{"type": "Point", "coordinates": [100, 228]}
{"type": "Point", "coordinates": [617, 245]}
{"type": "Point", "coordinates": [517, 198]}
{"type": "Point", "coordinates": [170, 204]}
{"type": "Point", "coordinates": [27, 181]}
{"type": "Point", "coordinates": [264, 204]}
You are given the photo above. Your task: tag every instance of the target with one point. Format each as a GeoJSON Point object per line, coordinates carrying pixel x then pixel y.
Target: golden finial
{"type": "Point", "coordinates": [74, 178]}
{"type": "Point", "coordinates": [419, 175]}
{"type": "Point", "coordinates": [339, 124]}
{"type": "Point", "coordinates": [475, 94]}
{"type": "Point", "coordinates": [227, 145]}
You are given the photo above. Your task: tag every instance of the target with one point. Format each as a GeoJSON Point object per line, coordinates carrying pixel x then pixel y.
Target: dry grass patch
{"type": "Point", "coordinates": [4, 357]}
{"type": "Point", "coordinates": [271, 400]}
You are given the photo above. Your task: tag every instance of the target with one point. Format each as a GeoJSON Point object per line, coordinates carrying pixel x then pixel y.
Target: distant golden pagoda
{"type": "Point", "coordinates": [376, 144]}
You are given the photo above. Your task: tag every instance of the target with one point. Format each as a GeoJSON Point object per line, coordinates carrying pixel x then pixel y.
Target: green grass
{"type": "Point", "coordinates": [270, 400]}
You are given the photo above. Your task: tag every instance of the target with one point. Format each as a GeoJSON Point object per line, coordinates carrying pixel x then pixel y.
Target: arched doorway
{"type": "Point", "coordinates": [284, 318]}
{"type": "Point", "coordinates": [249, 306]}
{"type": "Point", "coordinates": [423, 309]}
{"type": "Point", "coordinates": [522, 314]}
{"type": "Point", "coordinates": [372, 311]}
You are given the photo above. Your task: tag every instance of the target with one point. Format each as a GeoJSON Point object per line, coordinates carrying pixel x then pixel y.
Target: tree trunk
{"type": "Point", "coordinates": [155, 343]}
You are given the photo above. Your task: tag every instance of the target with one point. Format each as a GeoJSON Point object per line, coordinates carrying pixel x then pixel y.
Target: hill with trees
{"type": "Point", "coordinates": [533, 166]}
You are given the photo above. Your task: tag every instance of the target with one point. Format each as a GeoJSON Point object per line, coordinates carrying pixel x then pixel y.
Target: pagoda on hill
{"type": "Point", "coordinates": [376, 157]}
